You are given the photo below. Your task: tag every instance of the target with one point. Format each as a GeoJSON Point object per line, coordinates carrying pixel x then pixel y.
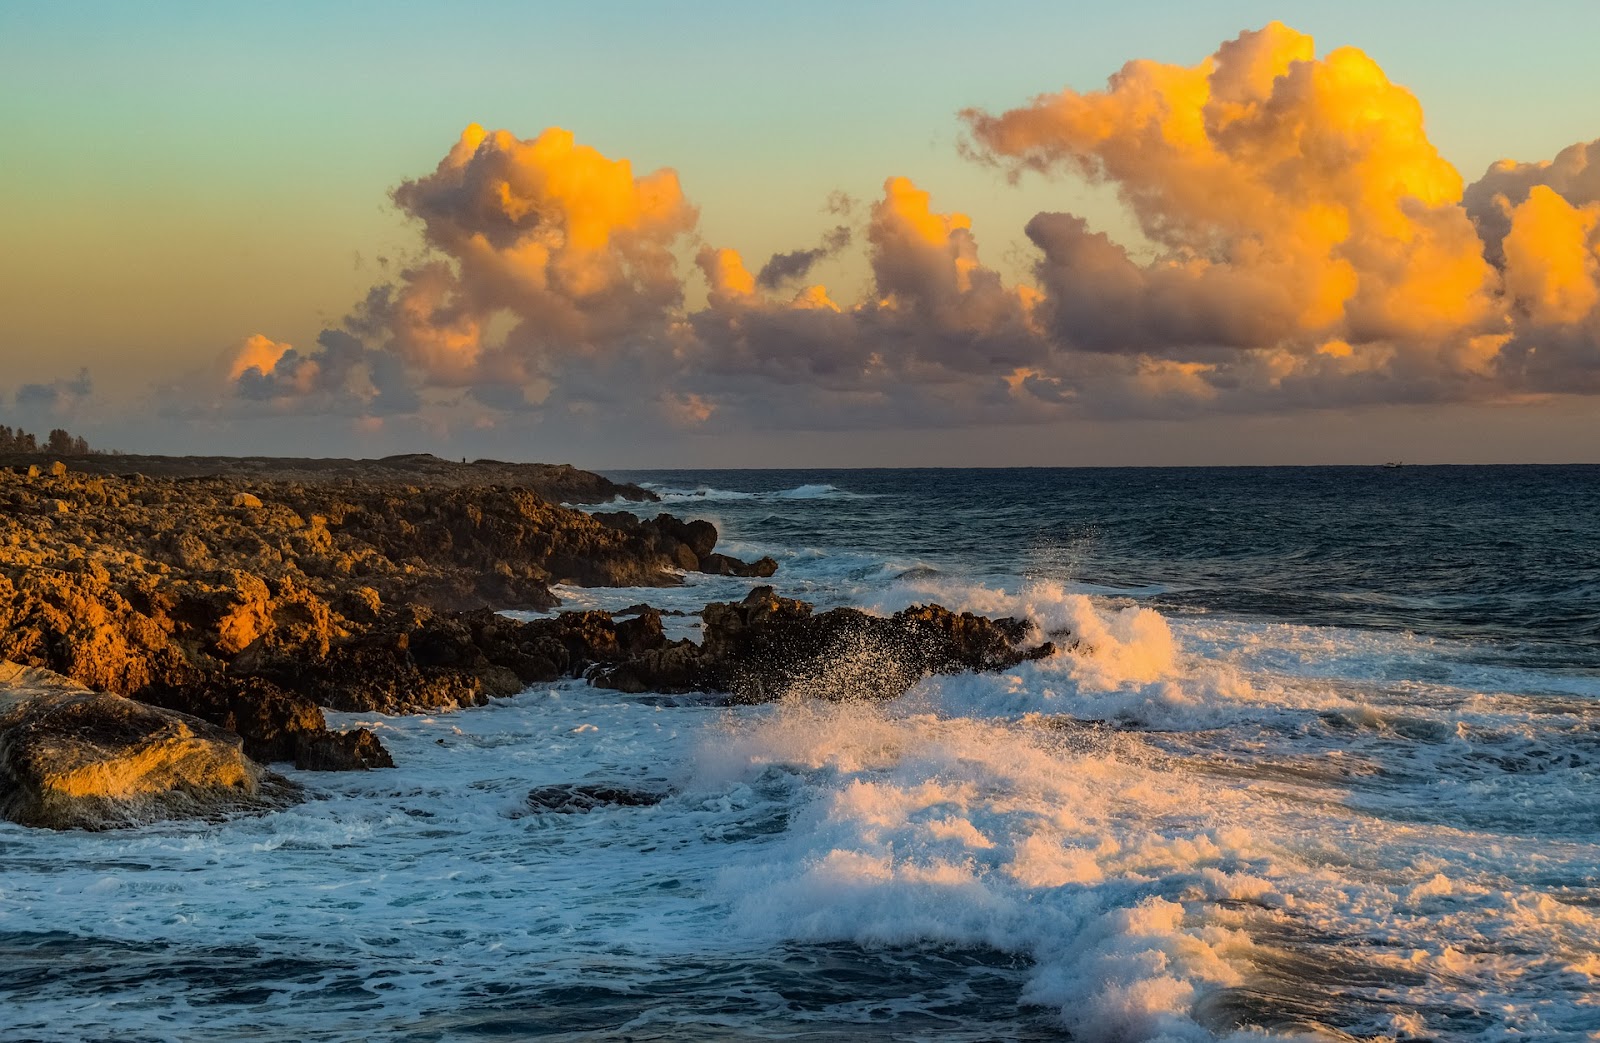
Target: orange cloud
{"type": "Point", "coordinates": [729, 281]}
{"type": "Point", "coordinates": [567, 244]}
{"type": "Point", "coordinates": [1305, 246]}
{"type": "Point", "coordinates": [1302, 191]}
{"type": "Point", "coordinates": [1551, 266]}
{"type": "Point", "coordinates": [258, 352]}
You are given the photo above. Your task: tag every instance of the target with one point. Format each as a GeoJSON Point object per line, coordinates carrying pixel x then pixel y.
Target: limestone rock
{"type": "Point", "coordinates": [74, 758]}
{"type": "Point", "coordinates": [359, 585]}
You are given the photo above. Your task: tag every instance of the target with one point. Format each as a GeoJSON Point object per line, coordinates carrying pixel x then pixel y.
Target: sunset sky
{"type": "Point", "coordinates": [735, 234]}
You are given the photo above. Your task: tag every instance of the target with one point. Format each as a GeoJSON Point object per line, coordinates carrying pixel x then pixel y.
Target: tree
{"type": "Point", "coordinates": [59, 442]}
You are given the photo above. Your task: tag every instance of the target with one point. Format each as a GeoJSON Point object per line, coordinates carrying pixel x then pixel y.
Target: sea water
{"type": "Point", "coordinates": [1324, 765]}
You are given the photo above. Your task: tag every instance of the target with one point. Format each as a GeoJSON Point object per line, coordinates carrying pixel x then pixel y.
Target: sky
{"type": "Point", "coordinates": [834, 234]}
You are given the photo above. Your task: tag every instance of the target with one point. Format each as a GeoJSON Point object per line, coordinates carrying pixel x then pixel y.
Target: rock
{"type": "Point", "coordinates": [433, 662]}
{"type": "Point", "coordinates": [687, 545]}
{"type": "Point", "coordinates": [274, 723]}
{"type": "Point", "coordinates": [581, 799]}
{"type": "Point", "coordinates": [767, 647]}
{"type": "Point", "coordinates": [71, 758]}
{"type": "Point", "coordinates": [641, 608]}
{"type": "Point", "coordinates": [58, 469]}
{"type": "Point", "coordinates": [679, 667]}
{"type": "Point", "coordinates": [33, 470]}
{"type": "Point", "coordinates": [339, 586]}
{"type": "Point", "coordinates": [357, 750]}
{"type": "Point", "coordinates": [722, 565]}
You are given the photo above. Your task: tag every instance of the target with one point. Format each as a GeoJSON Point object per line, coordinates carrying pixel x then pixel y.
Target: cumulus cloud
{"type": "Point", "coordinates": [563, 238]}
{"type": "Point", "coordinates": [1305, 246]}
{"type": "Point", "coordinates": [1293, 200]}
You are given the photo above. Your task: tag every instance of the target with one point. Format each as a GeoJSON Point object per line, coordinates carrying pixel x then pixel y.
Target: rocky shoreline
{"type": "Point", "coordinates": [200, 612]}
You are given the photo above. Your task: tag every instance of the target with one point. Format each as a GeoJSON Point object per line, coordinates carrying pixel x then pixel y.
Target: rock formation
{"type": "Point", "coordinates": [767, 647]}
{"type": "Point", "coordinates": [75, 758]}
{"type": "Point", "coordinates": [251, 606]}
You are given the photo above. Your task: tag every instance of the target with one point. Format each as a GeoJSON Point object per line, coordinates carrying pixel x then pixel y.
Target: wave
{"type": "Point", "coordinates": [1178, 843]}
{"type": "Point", "coordinates": [711, 494]}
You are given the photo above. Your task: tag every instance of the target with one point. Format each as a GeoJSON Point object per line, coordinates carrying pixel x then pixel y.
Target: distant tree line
{"type": "Point", "coordinates": [58, 442]}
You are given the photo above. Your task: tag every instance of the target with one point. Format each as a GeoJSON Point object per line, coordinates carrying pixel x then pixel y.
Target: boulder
{"type": "Point", "coordinates": [685, 545]}
{"type": "Point", "coordinates": [71, 758]}
{"type": "Point", "coordinates": [357, 750]}
{"type": "Point", "coordinates": [271, 721]}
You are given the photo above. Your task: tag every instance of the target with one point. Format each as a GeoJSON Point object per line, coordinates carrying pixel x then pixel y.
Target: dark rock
{"type": "Point", "coordinates": [572, 799]}
{"type": "Point", "coordinates": [251, 594]}
{"type": "Point", "coordinates": [273, 722]}
{"type": "Point", "coordinates": [689, 545]}
{"type": "Point", "coordinates": [767, 647]}
{"type": "Point", "coordinates": [357, 750]}
{"type": "Point", "coordinates": [722, 565]}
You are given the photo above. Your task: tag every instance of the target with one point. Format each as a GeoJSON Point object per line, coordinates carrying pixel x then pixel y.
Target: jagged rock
{"type": "Point", "coordinates": [679, 667]}
{"type": "Point", "coordinates": [421, 664]}
{"type": "Point", "coordinates": [338, 586]}
{"type": "Point", "coordinates": [641, 608]}
{"type": "Point", "coordinates": [274, 723]}
{"type": "Point", "coordinates": [357, 750]}
{"type": "Point", "coordinates": [688, 545]}
{"type": "Point", "coordinates": [75, 758]}
{"type": "Point", "coordinates": [557, 483]}
{"type": "Point", "coordinates": [766, 647]}
{"type": "Point", "coordinates": [722, 565]}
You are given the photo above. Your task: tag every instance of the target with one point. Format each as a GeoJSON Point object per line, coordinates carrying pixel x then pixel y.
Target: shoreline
{"type": "Point", "coordinates": [247, 599]}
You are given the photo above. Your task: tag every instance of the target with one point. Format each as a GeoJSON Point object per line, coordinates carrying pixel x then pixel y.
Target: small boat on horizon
{"type": "Point", "coordinates": [1394, 463]}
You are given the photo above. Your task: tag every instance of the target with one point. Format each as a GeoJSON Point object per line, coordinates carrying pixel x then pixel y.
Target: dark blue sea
{"type": "Point", "coordinates": [1319, 759]}
{"type": "Point", "coordinates": [1508, 556]}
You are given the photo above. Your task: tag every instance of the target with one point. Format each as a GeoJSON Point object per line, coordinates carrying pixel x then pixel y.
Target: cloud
{"type": "Point", "coordinates": [1574, 175]}
{"type": "Point", "coordinates": [340, 376]}
{"type": "Point", "coordinates": [1291, 200]}
{"type": "Point", "coordinates": [57, 395]}
{"type": "Point", "coordinates": [797, 264]}
{"type": "Point", "coordinates": [1540, 225]}
{"type": "Point", "coordinates": [1305, 246]}
{"type": "Point", "coordinates": [567, 241]}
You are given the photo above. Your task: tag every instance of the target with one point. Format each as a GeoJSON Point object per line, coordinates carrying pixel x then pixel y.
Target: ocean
{"type": "Point", "coordinates": [1325, 765]}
